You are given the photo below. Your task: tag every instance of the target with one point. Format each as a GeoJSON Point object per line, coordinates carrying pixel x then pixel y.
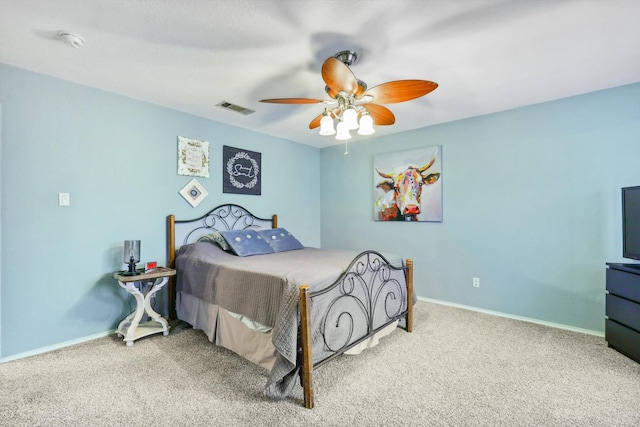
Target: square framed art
{"type": "Point", "coordinates": [193, 192]}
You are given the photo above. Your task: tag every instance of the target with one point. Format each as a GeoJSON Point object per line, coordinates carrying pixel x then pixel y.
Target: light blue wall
{"type": "Point", "coordinates": [0, 231]}
{"type": "Point", "coordinates": [531, 202]}
{"type": "Point", "coordinates": [117, 158]}
{"type": "Point", "coordinates": [531, 206]}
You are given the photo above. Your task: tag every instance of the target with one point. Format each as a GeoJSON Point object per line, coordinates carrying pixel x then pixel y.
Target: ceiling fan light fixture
{"type": "Point", "coordinates": [358, 107]}
{"type": "Point", "coordinates": [326, 125]}
{"type": "Point", "coordinates": [350, 117]}
{"type": "Point", "coordinates": [343, 132]}
{"type": "Point", "coordinates": [366, 125]}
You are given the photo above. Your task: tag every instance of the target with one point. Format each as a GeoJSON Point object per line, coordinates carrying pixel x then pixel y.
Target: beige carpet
{"type": "Point", "coordinates": [458, 368]}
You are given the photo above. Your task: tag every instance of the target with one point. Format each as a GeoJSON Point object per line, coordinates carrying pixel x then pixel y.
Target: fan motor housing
{"type": "Point", "coordinates": [347, 57]}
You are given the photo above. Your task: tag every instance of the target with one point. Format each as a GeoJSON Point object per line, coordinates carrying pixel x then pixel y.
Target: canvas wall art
{"type": "Point", "coordinates": [241, 171]}
{"type": "Point", "coordinates": [407, 185]}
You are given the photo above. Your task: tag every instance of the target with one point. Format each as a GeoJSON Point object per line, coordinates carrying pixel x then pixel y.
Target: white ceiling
{"type": "Point", "coordinates": [189, 55]}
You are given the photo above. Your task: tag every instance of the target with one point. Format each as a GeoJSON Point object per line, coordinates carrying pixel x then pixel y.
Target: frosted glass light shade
{"type": "Point", "coordinates": [343, 132]}
{"type": "Point", "coordinates": [350, 118]}
{"type": "Point", "coordinates": [326, 126]}
{"type": "Point", "coordinates": [366, 125]}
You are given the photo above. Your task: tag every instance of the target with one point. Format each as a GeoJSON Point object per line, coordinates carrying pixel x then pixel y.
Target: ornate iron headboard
{"type": "Point", "coordinates": [223, 217]}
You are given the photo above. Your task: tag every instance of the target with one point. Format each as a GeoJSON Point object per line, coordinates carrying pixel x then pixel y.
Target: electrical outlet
{"type": "Point", "coordinates": [476, 282]}
{"type": "Point", "coordinates": [63, 199]}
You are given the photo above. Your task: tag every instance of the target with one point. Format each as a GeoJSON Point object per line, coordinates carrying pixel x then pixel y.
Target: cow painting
{"type": "Point", "coordinates": [400, 193]}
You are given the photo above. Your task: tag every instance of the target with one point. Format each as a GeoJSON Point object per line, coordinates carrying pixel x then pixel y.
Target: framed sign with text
{"type": "Point", "coordinates": [241, 171]}
{"type": "Point", "coordinates": [193, 157]}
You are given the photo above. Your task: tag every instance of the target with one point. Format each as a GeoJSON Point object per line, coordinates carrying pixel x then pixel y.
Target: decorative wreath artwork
{"type": "Point", "coordinates": [241, 171]}
{"type": "Point", "coordinates": [193, 157]}
{"type": "Point", "coordinates": [193, 193]}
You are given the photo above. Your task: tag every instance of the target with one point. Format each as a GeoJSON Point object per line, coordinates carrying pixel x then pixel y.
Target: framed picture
{"type": "Point", "coordinates": [193, 192]}
{"type": "Point", "coordinates": [241, 171]}
{"type": "Point", "coordinates": [407, 185]}
{"type": "Point", "coordinates": [193, 157]}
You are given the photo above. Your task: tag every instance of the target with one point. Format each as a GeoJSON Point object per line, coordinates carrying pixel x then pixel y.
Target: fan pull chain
{"type": "Point", "coordinates": [346, 150]}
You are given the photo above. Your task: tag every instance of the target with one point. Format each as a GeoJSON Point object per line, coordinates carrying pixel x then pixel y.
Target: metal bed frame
{"type": "Point", "coordinates": [367, 283]}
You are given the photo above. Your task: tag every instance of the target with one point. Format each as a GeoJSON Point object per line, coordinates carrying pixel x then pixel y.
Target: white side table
{"type": "Point", "coordinates": [130, 328]}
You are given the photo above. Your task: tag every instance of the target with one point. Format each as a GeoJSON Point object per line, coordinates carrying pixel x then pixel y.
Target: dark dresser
{"type": "Point", "coordinates": [622, 326]}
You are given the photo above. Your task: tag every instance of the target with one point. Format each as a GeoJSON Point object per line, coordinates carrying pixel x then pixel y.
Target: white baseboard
{"type": "Point", "coordinates": [55, 346]}
{"type": "Point", "coordinates": [435, 301]}
{"type": "Point", "coordinates": [511, 316]}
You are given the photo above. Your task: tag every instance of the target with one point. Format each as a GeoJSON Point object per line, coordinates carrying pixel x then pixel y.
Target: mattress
{"type": "Point", "coordinates": [220, 292]}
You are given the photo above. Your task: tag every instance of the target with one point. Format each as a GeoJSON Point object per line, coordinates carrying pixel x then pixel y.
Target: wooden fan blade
{"type": "Point", "coordinates": [292, 101]}
{"type": "Point", "coordinates": [400, 91]}
{"type": "Point", "coordinates": [338, 76]}
{"type": "Point", "coordinates": [381, 116]}
{"type": "Point", "coordinates": [315, 122]}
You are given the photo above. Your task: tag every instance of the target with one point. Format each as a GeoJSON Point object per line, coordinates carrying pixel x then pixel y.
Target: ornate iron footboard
{"type": "Point", "coordinates": [371, 289]}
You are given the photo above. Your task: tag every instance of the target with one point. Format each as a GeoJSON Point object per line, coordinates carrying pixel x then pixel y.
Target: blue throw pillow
{"type": "Point", "coordinates": [246, 242]}
{"type": "Point", "coordinates": [280, 239]}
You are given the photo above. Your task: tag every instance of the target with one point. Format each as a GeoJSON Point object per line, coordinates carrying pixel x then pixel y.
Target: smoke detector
{"type": "Point", "coordinates": [72, 40]}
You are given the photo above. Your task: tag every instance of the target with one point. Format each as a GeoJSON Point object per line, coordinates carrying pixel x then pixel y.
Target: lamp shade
{"type": "Point", "coordinates": [343, 132]}
{"type": "Point", "coordinates": [326, 125]}
{"type": "Point", "coordinates": [350, 117]}
{"type": "Point", "coordinates": [131, 250]}
{"type": "Point", "coordinates": [366, 125]}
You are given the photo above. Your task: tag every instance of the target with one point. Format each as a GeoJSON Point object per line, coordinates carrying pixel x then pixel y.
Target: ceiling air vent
{"type": "Point", "coordinates": [234, 107]}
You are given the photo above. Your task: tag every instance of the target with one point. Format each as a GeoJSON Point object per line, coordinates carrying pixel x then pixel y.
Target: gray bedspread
{"type": "Point", "coordinates": [265, 288]}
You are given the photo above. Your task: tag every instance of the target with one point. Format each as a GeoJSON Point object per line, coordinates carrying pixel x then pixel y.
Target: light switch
{"type": "Point", "coordinates": [63, 199]}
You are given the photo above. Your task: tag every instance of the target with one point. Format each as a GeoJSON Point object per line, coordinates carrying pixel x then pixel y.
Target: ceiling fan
{"type": "Point", "coordinates": [353, 100]}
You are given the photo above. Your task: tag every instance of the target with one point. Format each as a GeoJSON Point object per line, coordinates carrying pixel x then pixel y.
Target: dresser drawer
{"type": "Point", "coordinates": [623, 311]}
{"type": "Point", "coordinates": [623, 339]}
{"type": "Point", "coordinates": [621, 283]}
